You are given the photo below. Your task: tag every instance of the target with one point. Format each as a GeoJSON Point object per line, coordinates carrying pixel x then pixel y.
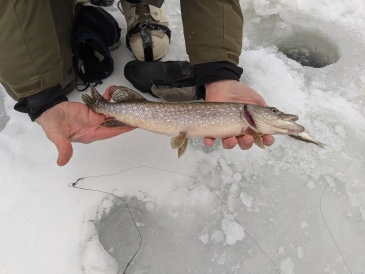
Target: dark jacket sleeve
{"type": "Point", "coordinates": [38, 103]}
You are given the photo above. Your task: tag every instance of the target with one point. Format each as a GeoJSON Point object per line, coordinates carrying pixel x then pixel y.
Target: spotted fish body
{"type": "Point", "coordinates": [196, 119]}
{"type": "Point", "coordinates": [190, 120]}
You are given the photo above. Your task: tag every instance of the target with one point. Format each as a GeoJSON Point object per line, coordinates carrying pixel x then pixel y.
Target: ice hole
{"type": "Point", "coordinates": [309, 49]}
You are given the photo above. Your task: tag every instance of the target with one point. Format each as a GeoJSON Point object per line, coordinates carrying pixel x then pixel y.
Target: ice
{"type": "Point", "coordinates": [204, 238]}
{"type": "Point", "coordinates": [234, 232]}
{"type": "Point", "coordinates": [213, 210]}
{"type": "Point", "coordinates": [300, 252]}
{"type": "Point", "coordinates": [246, 199]}
{"type": "Point", "coordinates": [287, 266]}
{"type": "Point", "coordinates": [96, 260]}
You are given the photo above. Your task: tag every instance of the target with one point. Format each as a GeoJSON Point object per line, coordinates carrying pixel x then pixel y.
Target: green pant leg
{"type": "Point", "coordinates": [63, 15]}
{"type": "Point", "coordinates": [213, 30]}
{"type": "Point", "coordinates": [30, 55]}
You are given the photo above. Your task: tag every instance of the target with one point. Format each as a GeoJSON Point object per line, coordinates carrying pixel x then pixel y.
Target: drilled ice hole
{"type": "Point", "coordinates": [309, 49]}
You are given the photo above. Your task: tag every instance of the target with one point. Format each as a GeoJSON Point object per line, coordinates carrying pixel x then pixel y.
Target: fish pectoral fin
{"type": "Point", "coordinates": [178, 140]}
{"type": "Point", "coordinates": [181, 142]}
{"type": "Point", "coordinates": [120, 94]}
{"type": "Point", "coordinates": [182, 149]}
{"type": "Point", "coordinates": [256, 137]}
{"type": "Point", "coordinates": [114, 123]}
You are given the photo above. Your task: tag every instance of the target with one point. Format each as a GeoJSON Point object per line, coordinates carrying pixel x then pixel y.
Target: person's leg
{"type": "Point", "coordinates": [148, 34]}
{"type": "Point", "coordinates": [35, 51]}
{"type": "Point", "coordinates": [63, 15]}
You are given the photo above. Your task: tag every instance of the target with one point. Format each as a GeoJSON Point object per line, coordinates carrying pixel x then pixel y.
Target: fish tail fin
{"type": "Point", "coordinates": [320, 144]}
{"type": "Point", "coordinates": [90, 101]}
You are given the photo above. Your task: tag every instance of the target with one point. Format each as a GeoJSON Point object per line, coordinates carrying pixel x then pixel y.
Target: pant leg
{"type": "Point", "coordinates": [213, 30]}
{"type": "Point", "coordinates": [35, 45]}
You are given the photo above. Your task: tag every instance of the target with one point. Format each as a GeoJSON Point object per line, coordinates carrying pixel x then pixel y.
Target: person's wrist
{"type": "Point", "coordinates": [55, 110]}
{"type": "Point", "coordinates": [217, 90]}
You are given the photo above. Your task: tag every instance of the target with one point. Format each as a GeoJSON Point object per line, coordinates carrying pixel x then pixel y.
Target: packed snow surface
{"type": "Point", "coordinates": [213, 210]}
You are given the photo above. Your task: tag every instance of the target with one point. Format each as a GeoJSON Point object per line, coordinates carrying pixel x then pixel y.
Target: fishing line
{"type": "Point", "coordinates": [227, 208]}
{"type": "Point", "coordinates": [130, 213]}
{"type": "Point", "coordinates": [320, 207]}
{"type": "Point", "coordinates": [176, 172]}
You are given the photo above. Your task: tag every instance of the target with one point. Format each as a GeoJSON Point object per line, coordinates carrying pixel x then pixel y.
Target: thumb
{"type": "Point", "coordinates": [63, 146]}
{"type": "Point", "coordinates": [65, 151]}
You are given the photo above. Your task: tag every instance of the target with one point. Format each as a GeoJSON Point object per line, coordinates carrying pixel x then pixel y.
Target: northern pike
{"type": "Point", "coordinates": [193, 119]}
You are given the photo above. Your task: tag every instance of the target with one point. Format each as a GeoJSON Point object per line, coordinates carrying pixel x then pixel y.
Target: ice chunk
{"type": "Point", "coordinates": [246, 199]}
{"type": "Point", "coordinates": [287, 267]}
{"type": "Point", "coordinates": [300, 252]}
{"type": "Point", "coordinates": [204, 238]}
{"type": "Point", "coordinates": [234, 232]}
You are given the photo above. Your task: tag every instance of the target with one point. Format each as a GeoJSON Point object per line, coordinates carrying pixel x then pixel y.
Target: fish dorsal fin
{"type": "Point", "coordinates": [181, 142]}
{"type": "Point", "coordinates": [95, 94]}
{"type": "Point", "coordinates": [120, 94]}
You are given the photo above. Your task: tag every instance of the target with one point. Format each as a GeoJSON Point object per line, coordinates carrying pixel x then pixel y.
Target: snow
{"type": "Point", "coordinates": [213, 210]}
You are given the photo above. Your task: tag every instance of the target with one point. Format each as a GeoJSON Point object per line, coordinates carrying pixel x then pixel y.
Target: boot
{"type": "Point", "coordinates": [148, 34]}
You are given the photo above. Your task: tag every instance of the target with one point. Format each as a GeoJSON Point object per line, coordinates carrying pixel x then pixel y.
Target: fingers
{"type": "Point", "coordinates": [102, 133]}
{"type": "Point", "coordinates": [229, 143]}
{"type": "Point", "coordinates": [268, 140]}
{"type": "Point", "coordinates": [108, 93]}
{"type": "Point", "coordinates": [209, 141]}
{"type": "Point", "coordinates": [244, 142]}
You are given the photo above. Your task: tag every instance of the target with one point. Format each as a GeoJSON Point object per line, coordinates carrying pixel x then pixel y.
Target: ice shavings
{"type": "Point", "coordinates": [287, 266]}
{"type": "Point", "coordinates": [96, 260]}
{"type": "Point", "coordinates": [300, 252]}
{"type": "Point", "coordinates": [204, 238]}
{"type": "Point", "coordinates": [246, 199]}
{"type": "Point", "coordinates": [234, 232]}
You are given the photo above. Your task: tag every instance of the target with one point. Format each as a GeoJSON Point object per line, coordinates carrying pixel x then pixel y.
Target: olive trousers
{"type": "Point", "coordinates": [35, 40]}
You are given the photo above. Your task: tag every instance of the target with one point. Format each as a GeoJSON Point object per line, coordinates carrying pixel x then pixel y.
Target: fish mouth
{"type": "Point", "coordinates": [288, 117]}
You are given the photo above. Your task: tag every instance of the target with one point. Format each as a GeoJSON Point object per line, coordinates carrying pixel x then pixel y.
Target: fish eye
{"type": "Point", "coordinates": [275, 110]}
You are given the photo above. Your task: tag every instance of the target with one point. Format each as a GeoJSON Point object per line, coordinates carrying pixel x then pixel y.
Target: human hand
{"type": "Point", "coordinates": [233, 91]}
{"type": "Point", "coordinates": [74, 122]}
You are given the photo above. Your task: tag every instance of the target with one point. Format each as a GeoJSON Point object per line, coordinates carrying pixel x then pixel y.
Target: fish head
{"type": "Point", "coordinates": [269, 120]}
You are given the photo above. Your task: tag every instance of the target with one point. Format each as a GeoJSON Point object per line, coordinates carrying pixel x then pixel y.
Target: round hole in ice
{"type": "Point", "coordinates": [309, 49]}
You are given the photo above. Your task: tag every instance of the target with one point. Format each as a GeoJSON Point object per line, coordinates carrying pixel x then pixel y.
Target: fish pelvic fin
{"type": "Point", "coordinates": [180, 142]}
{"type": "Point", "coordinates": [121, 93]}
{"type": "Point", "coordinates": [90, 101]}
{"type": "Point", "coordinates": [113, 123]}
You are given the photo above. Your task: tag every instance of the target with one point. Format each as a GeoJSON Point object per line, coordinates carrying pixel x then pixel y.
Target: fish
{"type": "Point", "coordinates": [305, 137]}
{"type": "Point", "coordinates": [196, 119]}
